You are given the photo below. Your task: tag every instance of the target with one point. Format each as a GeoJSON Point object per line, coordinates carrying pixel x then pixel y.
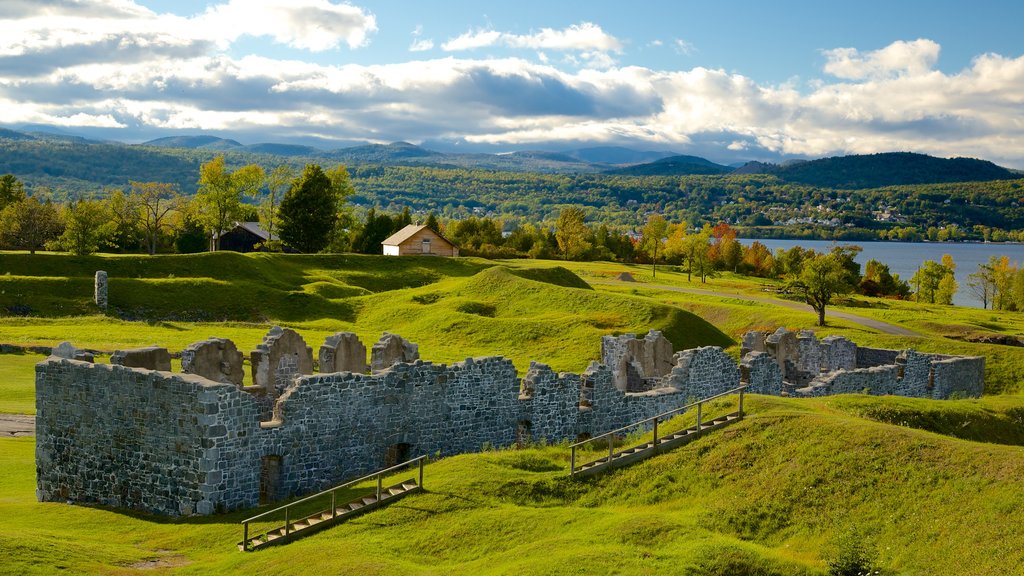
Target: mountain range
{"type": "Point", "coordinates": [66, 160]}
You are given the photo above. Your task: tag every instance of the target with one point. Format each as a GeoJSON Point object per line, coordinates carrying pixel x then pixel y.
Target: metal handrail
{"type": "Point", "coordinates": [378, 475]}
{"type": "Point", "coordinates": [657, 418]}
{"type": "Point", "coordinates": [660, 416]}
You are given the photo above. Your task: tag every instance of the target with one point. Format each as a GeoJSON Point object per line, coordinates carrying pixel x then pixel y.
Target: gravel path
{"type": "Point", "coordinates": [17, 425]}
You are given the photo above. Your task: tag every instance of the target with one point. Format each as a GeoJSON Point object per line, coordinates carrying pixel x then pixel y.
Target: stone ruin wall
{"type": "Point", "coordinates": [194, 443]}
{"type": "Point", "coordinates": [805, 366]}
{"type": "Point", "coordinates": [152, 440]}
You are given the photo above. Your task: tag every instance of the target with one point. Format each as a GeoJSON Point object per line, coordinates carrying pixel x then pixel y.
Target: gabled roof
{"type": "Point", "coordinates": [256, 229]}
{"type": "Point", "coordinates": [408, 232]}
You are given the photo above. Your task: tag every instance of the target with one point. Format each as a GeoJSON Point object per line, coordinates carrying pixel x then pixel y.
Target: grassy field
{"type": "Point", "coordinates": [935, 487]}
{"type": "Point", "coordinates": [769, 496]}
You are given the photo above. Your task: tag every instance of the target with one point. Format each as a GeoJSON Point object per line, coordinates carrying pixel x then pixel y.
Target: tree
{"type": "Point", "coordinates": [124, 212]}
{"type": "Point", "coordinates": [374, 230]}
{"type": "Point", "coordinates": [309, 211]}
{"type": "Point", "coordinates": [821, 279]}
{"type": "Point", "coordinates": [571, 232]}
{"type": "Point", "coordinates": [652, 239]}
{"type": "Point", "coordinates": [87, 226]}
{"type": "Point", "coordinates": [697, 253]}
{"type": "Point", "coordinates": [433, 224]}
{"type": "Point", "coordinates": [220, 194]}
{"type": "Point", "coordinates": [982, 284]}
{"type": "Point", "coordinates": [29, 224]}
{"type": "Point", "coordinates": [935, 282]}
{"type": "Point", "coordinates": [156, 202]}
{"type": "Point", "coordinates": [11, 190]}
{"type": "Point", "coordinates": [277, 183]}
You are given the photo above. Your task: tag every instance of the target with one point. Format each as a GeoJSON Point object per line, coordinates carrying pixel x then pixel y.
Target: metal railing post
{"type": "Point", "coordinates": [698, 418]}
{"type": "Point", "coordinates": [379, 480]}
{"type": "Point", "coordinates": [245, 536]}
{"type": "Point", "coordinates": [655, 434]}
{"type": "Point", "coordinates": [334, 505]}
{"type": "Point", "coordinates": [611, 447]}
{"type": "Point", "coordinates": [572, 461]}
{"type": "Point", "coordinates": [421, 471]}
{"type": "Point", "coordinates": [287, 522]}
{"type": "Point", "coordinates": [741, 403]}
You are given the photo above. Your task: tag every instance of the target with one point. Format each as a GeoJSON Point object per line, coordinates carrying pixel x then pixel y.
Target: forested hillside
{"type": "Point", "coordinates": [961, 198]}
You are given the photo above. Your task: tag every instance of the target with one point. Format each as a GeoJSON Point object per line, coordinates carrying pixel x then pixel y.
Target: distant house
{"type": "Point", "coordinates": [417, 240]}
{"type": "Point", "coordinates": [244, 237]}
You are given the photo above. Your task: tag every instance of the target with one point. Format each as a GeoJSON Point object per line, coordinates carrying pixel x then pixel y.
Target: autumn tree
{"type": "Point", "coordinates": [571, 233]}
{"type": "Point", "coordinates": [821, 279]}
{"type": "Point", "coordinates": [29, 224]}
{"type": "Point", "coordinates": [219, 199]}
{"type": "Point", "coordinates": [652, 239]}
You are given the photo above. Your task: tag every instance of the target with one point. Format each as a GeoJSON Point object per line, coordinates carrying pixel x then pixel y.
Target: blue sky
{"type": "Point", "coordinates": [730, 80]}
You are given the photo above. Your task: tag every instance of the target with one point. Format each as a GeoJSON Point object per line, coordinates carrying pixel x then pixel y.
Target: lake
{"type": "Point", "coordinates": [903, 258]}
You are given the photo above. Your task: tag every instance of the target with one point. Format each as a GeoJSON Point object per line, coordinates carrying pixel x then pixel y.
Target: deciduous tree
{"type": "Point", "coordinates": [652, 239]}
{"type": "Point", "coordinates": [571, 232]}
{"type": "Point", "coordinates": [220, 194]}
{"type": "Point", "coordinates": [821, 279]}
{"type": "Point", "coordinates": [157, 202]}
{"type": "Point", "coordinates": [87, 225]}
{"type": "Point", "coordinates": [29, 224]}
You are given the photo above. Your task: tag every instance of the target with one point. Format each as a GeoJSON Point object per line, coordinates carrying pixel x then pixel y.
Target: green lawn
{"type": "Point", "coordinates": [769, 495]}
{"type": "Point", "coordinates": [17, 383]}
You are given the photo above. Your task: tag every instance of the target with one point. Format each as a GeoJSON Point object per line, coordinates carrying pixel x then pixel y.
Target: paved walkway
{"type": "Point", "coordinates": [17, 425]}
{"type": "Point", "coordinates": [883, 327]}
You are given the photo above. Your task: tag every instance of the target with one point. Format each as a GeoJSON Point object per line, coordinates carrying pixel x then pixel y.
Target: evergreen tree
{"type": "Point", "coordinates": [432, 223]}
{"type": "Point", "coordinates": [309, 211]}
{"type": "Point", "coordinates": [11, 190]}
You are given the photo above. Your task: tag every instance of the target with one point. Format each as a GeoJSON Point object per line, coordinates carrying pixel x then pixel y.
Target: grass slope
{"type": "Point", "coordinates": [767, 496]}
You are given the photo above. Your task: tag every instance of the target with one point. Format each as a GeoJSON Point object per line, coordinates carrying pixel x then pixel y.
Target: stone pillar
{"type": "Point", "coordinates": [101, 290]}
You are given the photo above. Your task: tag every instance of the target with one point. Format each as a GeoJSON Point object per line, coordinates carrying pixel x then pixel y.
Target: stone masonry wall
{"type": "Point", "coordinates": [183, 444]}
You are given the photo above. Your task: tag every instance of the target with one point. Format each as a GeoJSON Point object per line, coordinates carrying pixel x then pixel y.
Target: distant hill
{"type": "Point", "coordinates": [890, 169]}
{"type": "Point", "coordinates": [616, 155]}
{"type": "Point", "coordinates": [673, 166]}
{"type": "Point", "coordinates": [202, 142]}
{"type": "Point", "coordinates": [283, 149]}
{"type": "Point", "coordinates": [396, 152]}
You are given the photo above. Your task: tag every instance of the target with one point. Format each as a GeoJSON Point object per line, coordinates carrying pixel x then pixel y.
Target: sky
{"type": "Point", "coordinates": [728, 80]}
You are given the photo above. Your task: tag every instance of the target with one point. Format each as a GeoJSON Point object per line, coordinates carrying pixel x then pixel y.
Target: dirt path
{"type": "Point", "coordinates": [17, 425]}
{"type": "Point", "coordinates": [883, 327]}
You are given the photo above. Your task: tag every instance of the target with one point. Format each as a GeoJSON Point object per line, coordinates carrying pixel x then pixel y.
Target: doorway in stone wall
{"type": "Point", "coordinates": [270, 479]}
{"type": "Point", "coordinates": [397, 453]}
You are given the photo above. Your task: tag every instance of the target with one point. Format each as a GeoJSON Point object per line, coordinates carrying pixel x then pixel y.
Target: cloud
{"type": "Point", "coordinates": [683, 47]}
{"type": "Point", "coordinates": [314, 25]}
{"type": "Point", "coordinates": [420, 44]}
{"type": "Point", "coordinates": [585, 36]}
{"type": "Point", "coordinates": [899, 58]}
{"type": "Point", "coordinates": [140, 72]}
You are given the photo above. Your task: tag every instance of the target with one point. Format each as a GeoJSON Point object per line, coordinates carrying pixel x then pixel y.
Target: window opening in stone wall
{"type": "Point", "coordinates": [523, 433]}
{"type": "Point", "coordinates": [270, 479]}
{"type": "Point", "coordinates": [397, 453]}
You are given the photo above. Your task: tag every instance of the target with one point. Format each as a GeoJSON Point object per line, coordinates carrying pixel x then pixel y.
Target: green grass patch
{"type": "Point", "coordinates": [768, 495]}
{"type": "Point", "coordinates": [17, 383]}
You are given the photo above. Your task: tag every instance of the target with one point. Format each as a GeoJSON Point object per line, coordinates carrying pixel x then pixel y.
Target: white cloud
{"type": "Point", "coordinates": [585, 36]}
{"type": "Point", "coordinates": [683, 47]}
{"type": "Point", "coordinates": [314, 25]}
{"type": "Point", "coordinates": [420, 44]}
{"type": "Point", "coordinates": [888, 99]}
{"type": "Point", "coordinates": [899, 58]}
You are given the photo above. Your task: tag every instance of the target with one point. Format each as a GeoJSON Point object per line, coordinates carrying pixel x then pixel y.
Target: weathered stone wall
{"type": "Point", "coordinates": [958, 377]}
{"type": "Point", "coordinates": [128, 438]}
{"type": "Point", "coordinates": [637, 363]}
{"type": "Point", "coordinates": [868, 357]}
{"type": "Point", "coordinates": [761, 373]}
{"type": "Point", "coordinates": [183, 443]}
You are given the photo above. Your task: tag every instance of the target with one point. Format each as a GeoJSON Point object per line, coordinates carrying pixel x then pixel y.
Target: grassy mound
{"type": "Point", "coordinates": [771, 495]}
{"type": "Point", "coordinates": [556, 275]}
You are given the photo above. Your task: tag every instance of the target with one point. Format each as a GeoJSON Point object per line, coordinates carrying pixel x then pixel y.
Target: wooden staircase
{"type": "Point", "coordinates": [334, 514]}
{"type": "Point", "coordinates": [659, 443]}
